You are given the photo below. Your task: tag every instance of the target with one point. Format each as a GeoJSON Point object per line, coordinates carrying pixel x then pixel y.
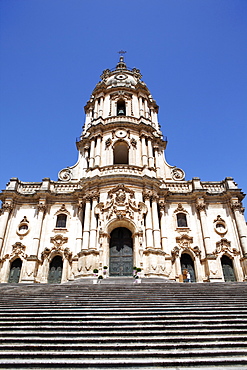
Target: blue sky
{"type": "Point", "coordinates": [193, 57]}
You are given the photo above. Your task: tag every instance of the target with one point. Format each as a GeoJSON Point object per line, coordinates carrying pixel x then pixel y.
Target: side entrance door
{"type": "Point", "coordinates": [121, 252]}
{"type": "Point", "coordinates": [188, 264]}
{"type": "Point", "coordinates": [55, 271]}
{"type": "Point", "coordinates": [227, 268]}
{"type": "Point", "coordinates": [15, 271]}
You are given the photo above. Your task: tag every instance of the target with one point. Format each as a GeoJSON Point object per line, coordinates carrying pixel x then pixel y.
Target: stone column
{"type": "Point", "coordinates": [149, 226]}
{"type": "Point", "coordinates": [157, 164]}
{"type": "Point", "coordinates": [79, 226]}
{"type": "Point", "coordinates": [93, 224]}
{"type": "Point", "coordinates": [150, 154]}
{"type": "Point", "coordinates": [86, 227]}
{"type": "Point", "coordinates": [155, 218]}
{"type": "Point", "coordinates": [146, 108]}
{"type": "Point", "coordinates": [163, 227]}
{"type": "Point", "coordinates": [91, 161]}
{"type": "Point", "coordinates": [141, 106]}
{"type": "Point", "coordinates": [238, 212]}
{"type": "Point", "coordinates": [86, 155]}
{"type": "Point", "coordinates": [6, 209]}
{"type": "Point", "coordinates": [201, 207]}
{"type": "Point", "coordinates": [100, 107]}
{"type": "Point", "coordinates": [96, 109]}
{"type": "Point", "coordinates": [97, 154]}
{"type": "Point", "coordinates": [38, 227]}
{"type": "Point", "coordinates": [144, 152]}
{"type": "Point", "coordinates": [91, 113]}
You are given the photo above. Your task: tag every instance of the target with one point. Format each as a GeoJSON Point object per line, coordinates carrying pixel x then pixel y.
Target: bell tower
{"type": "Point", "coordinates": [121, 129]}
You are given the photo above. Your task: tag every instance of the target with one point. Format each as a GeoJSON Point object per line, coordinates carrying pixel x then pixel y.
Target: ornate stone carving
{"type": "Point", "coordinates": [18, 248]}
{"type": "Point", "coordinates": [178, 174]}
{"type": "Point", "coordinates": [23, 228]}
{"type": "Point", "coordinates": [59, 249]}
{"type": "Point", "coordinates": [180, 209]}
{"type": "Point", "coordinates": [65, 174]}
{"type": "Point", "coordinates": [133, 142]}
{"type": "Point", "coordinates": [62, 209]}
{"type": "Point", "coordinates": [184, 241]}
{"type": "Point", "coordinates": [175, 253]}
{"type": "Point", "coordinates": [105, 74]}
{"type": "Point", "coordinates": [224, 246]}
{"type": "Point", "coordinates": [220, 226]}
{"type": "Point", "coordinates": [108, 143]}
{"type": "Point", "coordinates": [59, 240]}
{"type": "Point", "coordinates": [120, 204]}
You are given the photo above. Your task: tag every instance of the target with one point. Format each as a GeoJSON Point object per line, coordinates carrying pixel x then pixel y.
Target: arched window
{"type": "Point", "coordinates": [61, 220]}
{"type": "Point", "coordinates": [121, 108]}
{"type": "Point", "coordinates": [121, 153]}
{"type": "Point", "coordinates": [227, 268]}
{"type": "Point", "coordinates": [181, 220]}
{"type": "Point", "coordinates": [15, 271]}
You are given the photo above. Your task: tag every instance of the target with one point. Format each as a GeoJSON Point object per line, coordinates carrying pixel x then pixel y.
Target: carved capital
{"type": "Point", "coordinates": [236, 205]}
{"type": "Point", "coordinates": [94, 194]}
{"type": "Point", "coordinates": [200, 204]}
{"type": "Point", "coordinates": [147, 194]}
{"type": "Point", "coordinates": [7, 206]}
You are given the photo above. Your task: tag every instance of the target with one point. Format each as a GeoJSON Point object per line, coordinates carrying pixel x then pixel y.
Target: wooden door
{"type": "Point", "coordinates": [121, 252]}
{"type": "Point", "coordinates": [15, 271]}
{"type": "Point", "coordinates": [227, 268]}
{"type": "Point", "coordinates": [55, 271]}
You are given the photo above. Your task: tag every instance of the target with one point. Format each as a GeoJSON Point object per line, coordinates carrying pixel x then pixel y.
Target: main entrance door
{"type": "Point", "coordinates": [121, 252]}
{"type": "Point", "coordinates": [15, 271]}
{"type": "Point", "coordinates": [227, 268]}
{"type": "Point", "coordinates": [55, 271]}
{"type": "Point", "coordinates": [188, 264]}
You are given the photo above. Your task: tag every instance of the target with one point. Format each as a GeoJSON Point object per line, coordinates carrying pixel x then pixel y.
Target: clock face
{"type": "Point", "coordinates": [121, 77]}
{"type": "Point", "coordinates": [121, 133]}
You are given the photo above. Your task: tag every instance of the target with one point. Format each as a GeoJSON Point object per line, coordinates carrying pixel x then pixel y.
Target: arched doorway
{"type": "Point", "coordinates": [227, 267]}
{"type": "Point", "coordinates": [121, 252]}
{"type": "Point", "coordinates": [188, 264]}
{"type": "Point", "coordinates": [55, 270]}
{"type": "Point", "coordinates": [15, 271]}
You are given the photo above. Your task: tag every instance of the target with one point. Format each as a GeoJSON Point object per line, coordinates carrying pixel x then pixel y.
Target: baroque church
{"type": "Point", "coordinates": [122, 205]}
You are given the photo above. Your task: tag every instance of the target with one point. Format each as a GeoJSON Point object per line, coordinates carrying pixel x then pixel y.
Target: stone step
{"type": "Point", "coordinates": [126, 326]}
{"type": "Point", "coordinates": [111, 338]}
{"type": "Point", "coordinates": [120, 326]}
{"type": "Point", "coordinates": [126, 362]}
{"type": "Point", "coordinates": [123, 353]}
{"type": "Point", "coordinates": [120, 321]}
{"type": "Point", "coordinates": [75, 317]}
{"type": "Point", "coordinates": [104, 345]}
{"type": "Point", "coordinates": [120, 332]}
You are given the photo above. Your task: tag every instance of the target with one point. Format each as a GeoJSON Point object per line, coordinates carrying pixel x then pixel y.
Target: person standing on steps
{"type": "Point", "coordinates": [188, 277]}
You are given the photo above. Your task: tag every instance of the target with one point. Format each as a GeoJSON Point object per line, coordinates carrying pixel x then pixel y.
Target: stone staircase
{"type": "Point", "coordinates": [118, 324]}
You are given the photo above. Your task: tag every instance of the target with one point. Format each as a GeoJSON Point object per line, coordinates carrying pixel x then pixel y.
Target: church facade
{"type": "Point", "coordinates": [122, 205]}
